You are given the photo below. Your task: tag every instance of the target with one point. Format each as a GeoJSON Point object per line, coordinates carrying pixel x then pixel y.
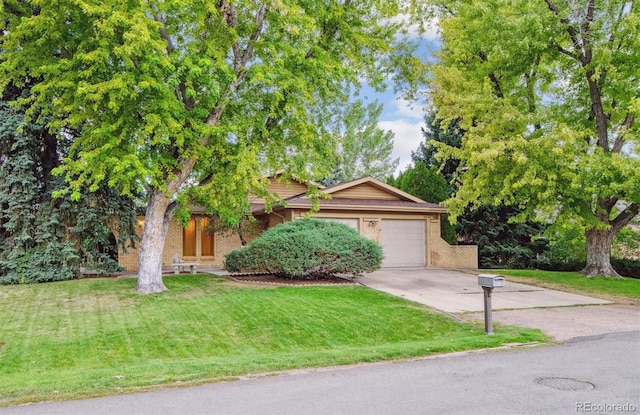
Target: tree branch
{"type": "Point", "coordinates": [492, 76]}
{"type": "Point", "coordinates": [625, 217]}
{"type": "Point", "coordinates": [163, 30]}
{"type": "Point", "coordinates": [239, 61]}
{"type": "Point", "coordinates": [573, 34]}
{"type": "Point", "coordinates": [620, 140]}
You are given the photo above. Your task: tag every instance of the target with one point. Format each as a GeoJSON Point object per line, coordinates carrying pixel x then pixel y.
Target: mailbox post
{"type": "Point", "coordinates": [488, 282]}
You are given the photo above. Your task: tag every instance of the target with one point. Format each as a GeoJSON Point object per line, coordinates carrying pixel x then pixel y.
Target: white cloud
{"type": "Point", "coordinates": [409, 109]}
{"type": "Point", "coordinates": [408, 135]}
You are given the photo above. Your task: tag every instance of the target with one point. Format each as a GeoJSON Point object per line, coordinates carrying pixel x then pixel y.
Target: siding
{"type": "Point", "coordinates": [364, 191]}
{"type": "Point", "coordinates": [283, 189]}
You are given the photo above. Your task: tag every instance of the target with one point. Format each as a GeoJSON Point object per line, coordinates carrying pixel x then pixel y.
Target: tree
{"type": "Point", "coordinates": [547, 93]}
{"type": "Point", "coordinates": [43, 238]}
{"type": "Point", "coordinates": [423, 182]}
{"type": "Point", "coordinates": [451, 135]}
{"type": "Point", "coordinates": [363, 148]}
{"type": "Point", "coordinates": [194, 100]}
{"type": "Point", "coordinates": [500, 241]}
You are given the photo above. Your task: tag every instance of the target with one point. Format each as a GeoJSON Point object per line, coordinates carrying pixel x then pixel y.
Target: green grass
{"type": "Point", "coordinates": [623, 290]}
{"type": "Point", "coordinates": [96, 337]}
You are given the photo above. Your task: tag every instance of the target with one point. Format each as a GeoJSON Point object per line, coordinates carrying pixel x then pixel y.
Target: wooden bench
{"type": "Point", "coordinates": [179, 266]}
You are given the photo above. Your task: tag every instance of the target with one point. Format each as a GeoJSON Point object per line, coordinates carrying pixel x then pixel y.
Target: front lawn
{"type": "Point", "coordinates": [624, 290]}
{"type": "Point", "coordinates": [95, 337]}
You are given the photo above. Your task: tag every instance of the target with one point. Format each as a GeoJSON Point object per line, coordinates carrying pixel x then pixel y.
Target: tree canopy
{"type": "Point", "coordinates": [548, 96]}
{"type": "Point", "coordinates": [44, 238]}
{"type": "Point", "coordinates": [363, 149]}
{"type": "Point", "coordinates": [192, 101]}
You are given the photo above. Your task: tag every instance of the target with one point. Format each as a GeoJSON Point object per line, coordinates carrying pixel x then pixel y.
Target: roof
{"type": "Point", "coordinates": [344, 198]}
{"type": "Point", "coordinates": [375, 183]}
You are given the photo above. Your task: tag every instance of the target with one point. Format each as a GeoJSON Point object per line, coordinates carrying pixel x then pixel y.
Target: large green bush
{"type": "Point", "coordinates": [307, 249]}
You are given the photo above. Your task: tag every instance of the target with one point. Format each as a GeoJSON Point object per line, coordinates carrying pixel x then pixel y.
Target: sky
{"type": "Point", "coordinates": [405, 119]}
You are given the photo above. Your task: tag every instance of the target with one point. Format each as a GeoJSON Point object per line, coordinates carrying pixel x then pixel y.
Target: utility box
{"type": "Point", "coordinates": [490, 281]}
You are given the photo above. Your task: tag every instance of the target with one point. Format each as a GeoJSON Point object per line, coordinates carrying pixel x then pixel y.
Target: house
{"type": "Point", "coordinates": [407, 227]}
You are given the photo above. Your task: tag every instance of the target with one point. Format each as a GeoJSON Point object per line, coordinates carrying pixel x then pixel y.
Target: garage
{"type": "Point", "coordinates": [403, 243]}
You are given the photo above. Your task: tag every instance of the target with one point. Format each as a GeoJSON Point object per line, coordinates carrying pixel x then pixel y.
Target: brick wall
{"type": "Point", "coordinates": [173, 245]}
{"type": "Point", "coordinates": [443, 255]}
{"type": "Point", "coordinates": [439, 252]}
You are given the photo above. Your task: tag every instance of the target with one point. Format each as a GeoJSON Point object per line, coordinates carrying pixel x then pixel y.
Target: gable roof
{"type": "Point", "coordinates": [365, 193]}
{"type": "Point", "coordinates": [374, 183]}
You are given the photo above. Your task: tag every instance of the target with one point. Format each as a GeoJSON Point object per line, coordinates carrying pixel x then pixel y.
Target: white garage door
{"type": "Point", "coordinates": [403, 243]}
{"type": "Point", "coordinates": [351, 222]}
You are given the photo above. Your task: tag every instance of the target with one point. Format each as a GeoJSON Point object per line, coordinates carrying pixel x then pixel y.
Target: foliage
{"type": "Point", "coordinates": [43, 238]}
{"type": "Point", "coordinates": [567, 252]}
{"type": "Point", "coordinates": [88, 339]}
{"type": "Point", "coordinates": [501, 243]}
{"type": "Point", "coordinates": [627, 267]}
{"type": "Point", "coordinates": [547, 94]}
{"type": "Point", "coordinates": [363, 148]}
{"type": "Point", "coordinates": [627, 242]}
{"type": "Point", "coordinates": [423, 182]}
{"type": "Point", "coordinates": [307, 249]}
{"type": "Point", "coordinates": [449, 134]}
{"type": "Point", "coordinates": [195, 101]}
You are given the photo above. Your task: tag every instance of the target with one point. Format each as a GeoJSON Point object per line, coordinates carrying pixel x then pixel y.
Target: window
{"type": "Point", "coordinates": [206, 238]}
{"type": "Point", "coordinates": [189, 239]}
{"type": "Point", "coordinates": [197, 230]}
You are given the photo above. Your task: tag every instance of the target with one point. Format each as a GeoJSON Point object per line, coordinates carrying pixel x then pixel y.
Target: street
{"type": "Point", "coordinates": [585, 375]}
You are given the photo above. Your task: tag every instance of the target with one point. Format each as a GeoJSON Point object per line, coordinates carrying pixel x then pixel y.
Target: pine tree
{"type": "Point", "coordinates": [43, 238]}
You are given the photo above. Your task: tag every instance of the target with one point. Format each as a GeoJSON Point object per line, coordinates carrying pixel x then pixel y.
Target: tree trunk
{"type": "Point", "coordinates": [599, 253]}
{"type": "Point", "coordinates": [154, 232]}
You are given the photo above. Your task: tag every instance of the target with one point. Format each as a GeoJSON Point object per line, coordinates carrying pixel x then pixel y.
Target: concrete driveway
{"type": "Point", "coordinates": [559, 314]}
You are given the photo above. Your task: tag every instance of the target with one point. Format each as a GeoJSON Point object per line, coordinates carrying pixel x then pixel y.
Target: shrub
{"type": "Point", "coordinates": [626, 267]}
{"type": "Point", "coordinates": [307, 249]}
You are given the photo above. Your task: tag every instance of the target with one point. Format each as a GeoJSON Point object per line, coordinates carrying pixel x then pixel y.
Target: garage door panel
{"type": "Point", "coordinates": [403, 243]}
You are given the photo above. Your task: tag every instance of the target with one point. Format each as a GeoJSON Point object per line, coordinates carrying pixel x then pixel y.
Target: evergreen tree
{"type": "Point", "coordinates": [43, 238]}
{"type": "Point", "coordinates": [501, 243]}
{"type": "Point", "coordinates": [448, 134]}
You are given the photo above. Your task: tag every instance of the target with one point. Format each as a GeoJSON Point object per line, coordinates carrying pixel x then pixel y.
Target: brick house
{"type": "Point", "coordinates": [407, 227]}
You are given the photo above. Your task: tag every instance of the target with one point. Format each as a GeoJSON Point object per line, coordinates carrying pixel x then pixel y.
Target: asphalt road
{"type": "Point", "coordinates": [599, 374]}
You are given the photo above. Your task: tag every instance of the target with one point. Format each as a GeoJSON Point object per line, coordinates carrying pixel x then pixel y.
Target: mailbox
{"type": "Point", "coordinates": [490, 281]}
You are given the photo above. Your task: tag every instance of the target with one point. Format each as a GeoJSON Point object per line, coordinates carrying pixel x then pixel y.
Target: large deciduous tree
{"type": "Point", "coordinates": [363, 149]}
{"type": "Point", "coordinates": [548, 95]}
{"type": "Point", "coordinates": [500, 243]}
{"type": "Point", "coordinates": [195, 100]}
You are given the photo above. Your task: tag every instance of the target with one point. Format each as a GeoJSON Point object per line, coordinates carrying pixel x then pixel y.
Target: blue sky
{"type": "Point", "coordinates": [404, 118]}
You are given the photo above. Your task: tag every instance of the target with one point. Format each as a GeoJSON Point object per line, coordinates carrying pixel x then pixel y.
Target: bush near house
{"type": "Point", "coordinates": [307, 249]}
